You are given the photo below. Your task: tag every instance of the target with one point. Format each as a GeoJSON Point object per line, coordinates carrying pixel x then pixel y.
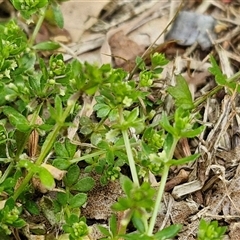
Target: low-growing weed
{"type": "Point", "coordinates": [39, 101]}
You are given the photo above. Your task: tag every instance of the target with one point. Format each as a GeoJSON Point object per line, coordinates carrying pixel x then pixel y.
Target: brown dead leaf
{"type": "Point", "coordinates": [124, 49]}
{"type": "Point", "coordinates": [37, 184]}
{"type": "Point", "coordinates": [34, 137]}
{"type": "Point", "coordinates": [80, 16]}
{"type": "Point", "coordinates": [128, 28]}
{"type": "Point", "coordinates": [180, 178]}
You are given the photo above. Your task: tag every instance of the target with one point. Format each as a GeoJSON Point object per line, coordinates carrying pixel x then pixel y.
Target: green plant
{"type": "Point", "coordinates": [210, 230]}
{"type": "Point", "coordinates": [9, 217]}
{"type": "Point", "coordinates": [40, 99]}
{"type": "Point", "coordinates": [139, 204]}
{"type": "Point", "coordinates": [77, 228]}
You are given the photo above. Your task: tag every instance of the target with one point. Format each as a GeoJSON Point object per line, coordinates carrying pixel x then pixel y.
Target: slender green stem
{"type": "Point", "coordinates": [129, 150]}
{"type": "Point", "coordinates": [37, 27]}
{"type": "Point", "coordinates": [6, 172]}
{"type": "Point", "coordinates": [158, 199]}
{"type": "Point", "coordinates": [215, 90]}
{"type": "Point", "coordinates": [161, 187]}
{"type": "Point", "coordinates": [130, 157]}
{"type": "Point", "coordinates": [170, 153]}
{"type": "Point", "coordinates": [234, 77]}
{"type": "Point", "coordinates": [95, 154]}
{"type": "Point", "coordinates": [23, 185]}
{"type": "Point", "coordinates": [48, 143]}
{"type": "Point", "coordinates": [207, 95]}
{"type": "Point", "coordinates": [98, 153]}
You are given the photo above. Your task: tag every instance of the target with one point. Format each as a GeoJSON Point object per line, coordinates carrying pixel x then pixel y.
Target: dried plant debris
{"type": "Point", "coordinates": [191, 27]}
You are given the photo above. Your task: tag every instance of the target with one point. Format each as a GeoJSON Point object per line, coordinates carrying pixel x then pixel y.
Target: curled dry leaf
{"type": "Point", "coordinates": [36, 182]}
{"type": "Point", "coordinates": [2, 204]}
{"type": "Point", "coordinates": [186, 188]}
{"type": "Point", "coordinates": [56, 173]}
{"type": "Point", "coordinates": [34, 137]}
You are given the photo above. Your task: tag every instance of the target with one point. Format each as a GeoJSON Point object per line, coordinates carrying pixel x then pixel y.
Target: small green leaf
{"type": "Point", "coordinates": [168, 232]}
{"type": "Point", "coordinates": [44, 71]}
{"type": "Point", "coordinates": [23, 163]}
{"type": "Point", "coordinates": [103, 145]}
{"type": "Point", "coordinates": [10, 203]}
{"type": "Point", "coordinates": [104, 231]}
{"type": "Point", "coordinates": [158, 59]}
{"type": "Point", "coordinates": [46, 46]}
{"type": "Point", "coordinates": [113, 224]}
{"type": "Point", "coordinates": [58, 17]}
{"type": "Point", "coordinates": [157, 70]}
{"type": "Point", "coordinates": [46, 178]}
{"type": "Point", "coordinates": [140, 63]}
{"type": "Point", "coordinates": [88, 169]}
{"type": "Point", "coordinates": [17, 119]}
{"type": "Point", "coordinates": [181, 93]}
{"type": "Point", "coordinates": [110, 157]}
{"type": "Point", "coordinates": [62, 198]}
{"type": "Point", "coordinates": [127, 185]}
{"type": "Point", "coordinates": [58, 106]}
{"type": "Point", "coordinates": [26, 62]}
{"type": "Point", "coordinates": [122, 204]}
{"type": "Point", "coordinates": [220, 78]}
{"type": "Point", "coordinates": [86, 130]}
{"type": "Point", "coordinates": [102, 110]}
{"type": "Point", "coordinates": [192, 133]}
{"type": "Point", "coordinates": [32, 207]}
{"type": "Point", "coordinates": [60, 149]}
{"type": "Point", "coordinates": [84, 185]}
{"type": "Point", "coordinates": [19, 223]}
{"type": "Point", "coordinates": [61, 163]}
{"type": "Point", "coordinates": [72, 219]}
{"type": "Point", "coordinates": [53, 113]}
{"type": "Point", "coordinates": [166, 125]}
{"type": "Point", "coordinates": [70, 147]}
{"type": "Point", "coordinates": [78, 200]}
{"type": "Point", "coordinates": [113, 115]}
{"type": "Point", "coordinates": [137, 236]}
{"type": "Point", "coordinates": [138, 222]}
{"type": "Point", "coordinates": [72, 175]}
{"type": "Point", "coordinates": [132, 115]}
